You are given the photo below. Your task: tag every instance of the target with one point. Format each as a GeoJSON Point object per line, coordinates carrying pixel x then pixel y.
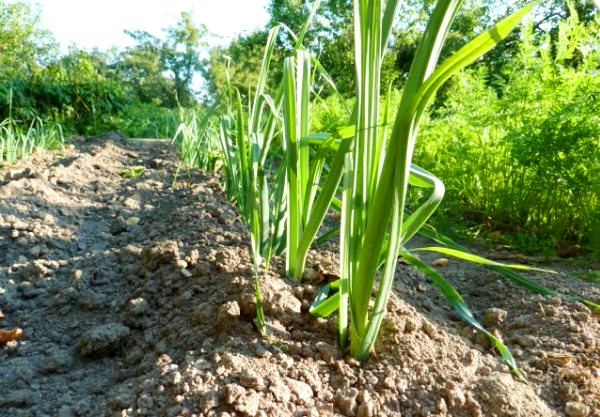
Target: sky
{"type": "Point", "coordinates": [100, 24]}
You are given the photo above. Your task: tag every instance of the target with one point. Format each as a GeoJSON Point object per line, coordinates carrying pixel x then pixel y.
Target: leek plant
{"type": "Point", "coordinates": [272, 186]}
{"type": "Point", "coordinates": [305, 161]}
{"type": "Point", "coordinates": [245, 137]}
{"type": "Point", "coordinates": [379, 170]}
{"type": "Point", "coordinates": [17, 141]}
{"type": "Point", "coordinates": [245, 144]}
{"type": "Point", "coordinates": [197, 142]}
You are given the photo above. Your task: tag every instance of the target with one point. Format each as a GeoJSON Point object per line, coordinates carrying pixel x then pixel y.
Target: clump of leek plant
{"type": "Point", "coordinates": [274, 167]}
{"type": "Point", "coordinates": [378, 171]}
{"type": "Point", "coordinates": [305, 161]}
{"type": "Point", "coordinates": [17, 141]}
{"type": "Point", "coordinates": [196, 139]}
{"type": "Point", "coordinates": [266, 159]}
{"type": "Point", "coordinates": [254, 164]}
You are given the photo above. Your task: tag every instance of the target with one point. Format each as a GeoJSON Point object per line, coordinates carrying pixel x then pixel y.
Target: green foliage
{"type": "Point", "coordinates": [528, 158]}
{"type": "Point", "coordinates": [160, 70]}
{"type": "Point", "coordinates": [590, 275]}
{"type": "Point", "coordinates": [141, 67]}
{"type": "Point", "coordinates": [180, 55]}
{"type": "Point", "coordinates": [24, 48]}
{"type": "Point", "coordinates": [238, 64]}
{"type": "Point", "coordinates": [23, 43]}
{"type": "Point", "coordinates": [136, 91]}
{"type": "Point", "coordinates": [196, 139]}
{"type": "Point", "coordinates": [79, 90]}
{"type": "Point", "coordinates": [331, 113]}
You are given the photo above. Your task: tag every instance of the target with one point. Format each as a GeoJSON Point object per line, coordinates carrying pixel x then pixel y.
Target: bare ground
{"type": "Point", "coordinates": [136, 300]}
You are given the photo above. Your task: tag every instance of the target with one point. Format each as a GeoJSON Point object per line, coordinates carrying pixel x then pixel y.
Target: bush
{"type": "Point", "coordinates": [526, 157]}
{"type": "Point", "coordinates": [141, 120]}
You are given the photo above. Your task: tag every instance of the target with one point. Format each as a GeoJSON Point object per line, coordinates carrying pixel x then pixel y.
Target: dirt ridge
{"type": "Point", "coordinates": [136, 300]}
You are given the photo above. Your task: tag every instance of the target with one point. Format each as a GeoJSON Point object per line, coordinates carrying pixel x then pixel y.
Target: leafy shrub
{"type": "Point", "coordinates": [140, 120]}
{"type": "Point", "coordinates": [527, 158]}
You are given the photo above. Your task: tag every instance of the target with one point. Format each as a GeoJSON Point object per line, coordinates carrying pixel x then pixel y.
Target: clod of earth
{"type": "Point", "coordinates": [10, 335]}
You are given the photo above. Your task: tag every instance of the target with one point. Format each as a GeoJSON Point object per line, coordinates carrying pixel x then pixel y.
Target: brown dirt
{"type": "Point", "coordinates": [136, 300]}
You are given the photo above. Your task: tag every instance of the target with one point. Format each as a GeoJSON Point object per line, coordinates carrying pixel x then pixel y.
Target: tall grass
{"type": "Point", "coordinates": [17, 140]}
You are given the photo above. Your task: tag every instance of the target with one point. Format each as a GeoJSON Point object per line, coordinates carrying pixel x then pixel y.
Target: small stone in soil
{"type": "Point", "coordinates": [119, 226]}
{"type": "Point", "coordinates": [280, 391]}
{"type": "Point", "coordinates": [576, 409]}
{"type": "Point", "coordinates": [346, 400]}
{"type": "Point", "coordinates": [231, 392]}
{"type": "Point", "coordinates": [249, 379]}
{"type": "Point", "coordinates": [494, 316]}
{"type": "Point", "coordinates": [228, 313]}
{"type": "Point", "coordinates": [57, 361]}
{"type": "Point", "coordinates": [301, 390]}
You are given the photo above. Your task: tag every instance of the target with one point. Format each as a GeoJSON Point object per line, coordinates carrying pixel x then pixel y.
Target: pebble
{"type": "Point", "coordinates": [367, 406]}
{"type": "Point", "coordinates": [576, 409]}
{"type": "Point", "coordinates": [56, 361]}
{"type": "Point", "coordinates": [90, 300]}
{"type": "Point", "coordinates": [66, 411]}
{"type": "Point", "coordinates": [209, 401]}
{"type": "Point", "coordinates": [346, 400]}
{"type": "Point", "coordinates": [119, 226]}
{"type": "Point", "coordinates": [261, 352]}
{"type": "Point", "coordinates": [286, 362]}
{"type": "Point", "coordinates": [228, 313]}
{"type": "Point", "coordinates": [582, 317]}
{"type": "Point", "coordinates": [250, 379]}
{"type": "Point", "coordinates": [280, 391]}
{"type": "Point", "coordinates": [137, 306]}
{"type": "Point", "coordinates": [36, 251]}
{"type": "Point", "coordinates": [248, 404]}
{"type": "Point", "coordinates": [411, 325]}
{"type": "Point", "coordinates": [456, 397]}
{"type": "Point", "coordinates": [301, 390]}
{"type": "Point", "coordinates": [494, 316]}
{"type": "Point", "coordinates": [227, 217]}
{"type": "Point", "coordinates": [526, 341]}
{"type": "Point", "coordinates": [23, 398]}
{"type": "Point", "coordinates": [231, 392]}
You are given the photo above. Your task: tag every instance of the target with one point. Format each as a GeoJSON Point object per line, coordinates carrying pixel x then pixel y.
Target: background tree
{"type": "Point", "coordinates": [162, 71]}
{"type": "Point", "coordinates": [24, 49]}
{"type": "Point", "coordinates": [142, 67]}
{"type": "Point", "coordinates": [242, 59]}
{"type": "Point", "coordinates": [180, 55]}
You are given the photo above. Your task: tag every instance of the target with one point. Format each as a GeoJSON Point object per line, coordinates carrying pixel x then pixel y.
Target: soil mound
{"type": "Point", "coordinates": [135, 299]}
